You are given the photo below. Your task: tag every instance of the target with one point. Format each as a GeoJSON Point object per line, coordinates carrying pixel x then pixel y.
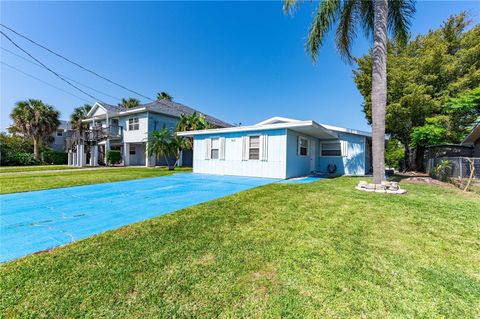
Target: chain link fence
{"type": "Point", "coordinates": [457, 167]}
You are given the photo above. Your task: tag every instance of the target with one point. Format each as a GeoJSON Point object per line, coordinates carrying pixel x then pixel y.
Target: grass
{"type": "Point", "coordinates": [15, 169]}
{"type": "Point", "coordinates": [13, 183]}
{"type": "Point", "coordinates": [283, 250]}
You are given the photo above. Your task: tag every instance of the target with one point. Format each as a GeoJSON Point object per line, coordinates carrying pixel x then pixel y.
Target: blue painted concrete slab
{"type": "Point", "coordinates": [301, 180]}
{"type": "Point", "coordinates": [40, 220]}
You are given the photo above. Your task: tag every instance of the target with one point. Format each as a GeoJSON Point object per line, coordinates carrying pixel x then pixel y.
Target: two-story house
{"type": "Point", "coordinates": [127, 130]}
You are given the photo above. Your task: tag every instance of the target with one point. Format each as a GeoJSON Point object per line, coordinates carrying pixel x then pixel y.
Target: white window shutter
{"type": "Point", "coordinates": [208, 148]}
{"type": "Point", "coordinates": [344, 148]}
{"type": "Point", "coordinates": [298, 145]}
{"type": "Point", "coordinates": [263, 147]}
{"type": "Point", "coordinates": [245, 145]}
{"type": "Point", "coordinates": [221, 156]}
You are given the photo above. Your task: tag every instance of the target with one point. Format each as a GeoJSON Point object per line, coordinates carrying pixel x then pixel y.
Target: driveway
{"type": "Point", "coordinates": [41, 220]}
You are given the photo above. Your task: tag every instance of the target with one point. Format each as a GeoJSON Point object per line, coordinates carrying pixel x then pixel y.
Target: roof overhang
{"type": "Point", "coordinates": [473, 136]}
{"type": "Point", "coordinates": [310, 128]}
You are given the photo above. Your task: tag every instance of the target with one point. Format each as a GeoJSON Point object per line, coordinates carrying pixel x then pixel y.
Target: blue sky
{"type": "Point", "coordinates": [238, 61]}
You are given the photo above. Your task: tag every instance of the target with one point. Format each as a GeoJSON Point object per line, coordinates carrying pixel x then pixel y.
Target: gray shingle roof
{"type": "Point", "coordinates": [169, 108]}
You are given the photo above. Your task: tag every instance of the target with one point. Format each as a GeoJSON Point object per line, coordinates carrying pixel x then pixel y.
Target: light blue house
{"type": "Point", "coordinates": [281, 148]}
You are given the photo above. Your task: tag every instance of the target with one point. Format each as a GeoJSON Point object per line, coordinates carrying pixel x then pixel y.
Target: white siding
{"type": "Point", "coordinates": [136, 136]}
{"type": "Point", "coordinates": [273, 167]}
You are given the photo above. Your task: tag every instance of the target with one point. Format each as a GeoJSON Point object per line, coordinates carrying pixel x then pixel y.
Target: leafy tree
{"type": "Point", "coordinates": [164, 96]}
{"type": "Point", "coordinates": [79, 114]}
{"type": "Point", "coordinates": [376, 18]}
{"type": "Point", "coordinates": [432, 87]}
{"type": "Point", "coordinates": [192, 122]}
{"type": "Point", "coordinates": [394, 154]}
{"type": "Point", "coordinates": [129, 103]}
{"type": "Point", "coordinates": [35, 120]}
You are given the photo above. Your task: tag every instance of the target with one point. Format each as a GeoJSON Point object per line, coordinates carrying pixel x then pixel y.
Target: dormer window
{"type": "Point", "coordinates": [133, 124]}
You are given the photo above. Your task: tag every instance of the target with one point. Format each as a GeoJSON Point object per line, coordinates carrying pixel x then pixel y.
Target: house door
{"type": "Point", "coordinates": [313, 155]}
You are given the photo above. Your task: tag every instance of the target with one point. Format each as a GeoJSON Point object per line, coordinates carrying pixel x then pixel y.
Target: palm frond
{"type": "Point", "coordinates": [400, 13]}
{"type": "Point", "coordinates": [327, 14]}
{"type": "Point", "coordinates": [366, 13]}
{"type": "Point", "coordinates": [289, 6]}
{"type": "Point", "coordinates": [346, 30]}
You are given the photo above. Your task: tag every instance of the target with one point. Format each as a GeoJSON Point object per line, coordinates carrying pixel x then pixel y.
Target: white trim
{"type": "Point", "coordinates": [330, 142]}
{"type": "Point", "coordinates": [221, 151]}
{"type": "Point", "coordinates": [299, 138]}
{"type": "Point", "coordinates": [274, 119]}
{"type": "Point", "coordinates": [346, 130]}
{"type": "Point", "coordinates": [245, 149]}
{"type": "Point", "coordinates": [208, 148]}
{"type": "Point", "coordinates": [298, 124]}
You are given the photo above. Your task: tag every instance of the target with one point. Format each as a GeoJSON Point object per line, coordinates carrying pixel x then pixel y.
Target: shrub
{"type": "Point", "coordinates": [53, 157]}
{"type": "Point", "coordinates": [442, 170]}
{"type": "Point", "coordinates": [113, 157]}
{"type": "Point", "coordinates": [11, 158]}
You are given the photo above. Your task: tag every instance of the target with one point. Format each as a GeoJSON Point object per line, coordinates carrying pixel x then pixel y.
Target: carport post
{"type": "Point", "coordinates": [126, 154]}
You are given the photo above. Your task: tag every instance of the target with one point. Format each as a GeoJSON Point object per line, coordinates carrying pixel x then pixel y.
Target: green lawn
{"type": "Point", "coordinates": [319, 250]}
{"type": "Point", "coordinates": [14, 169]}
{"type": "Point", "coordinates": [12, 183]}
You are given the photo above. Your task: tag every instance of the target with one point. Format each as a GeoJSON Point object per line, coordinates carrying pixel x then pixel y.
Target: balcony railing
{"type": "Point", "coordinates": [96, 134]}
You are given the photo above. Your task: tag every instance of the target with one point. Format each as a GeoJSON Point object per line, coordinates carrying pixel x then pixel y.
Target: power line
{"type": "Point", "coordinates": [46, 67]}
{"type": "Point", "coordinates": [79, 83]}
{"type": "Point", "coordinates": [44, 82]}
{"type": "Point", "coordinates": [75, 63]}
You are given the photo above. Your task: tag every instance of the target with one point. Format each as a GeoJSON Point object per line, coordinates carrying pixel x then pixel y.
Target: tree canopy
{"type": "Point", "coordinates": [164, 96]}
{"type": "Point", "coordinates": [36, 120]}
{"type": "Point", "coordinates": [129, 103]}
{"type": "Point", "coordinates": [433, 86]}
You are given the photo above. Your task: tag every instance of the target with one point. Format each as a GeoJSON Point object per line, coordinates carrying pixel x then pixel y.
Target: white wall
{"type": "Point", "coordinates": [140, 135]}
{"type": "Point", "coordinates": [273, 167]}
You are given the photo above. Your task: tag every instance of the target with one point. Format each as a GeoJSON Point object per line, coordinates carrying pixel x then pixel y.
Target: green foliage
{"type": "Point", "coordinates": [16, 151]}
{"type": "Point", "coordinates": [394, 154]}
{"type": "Point", "coordinates": [50, 156]}
{"type": "Point", "coordinates": [433, 84]}
{"type": "Point", "coordinates": [349, 16]}
{"type": "Point", "coordinates": [129, 103]}
{"type": "Point", "coordinates": [192, 122]}
{"type": "Point", "coordinates": [442, 170]}
{"type": "Point", "coordinates": [34, 119]}
{"type": "Point", "coordinates": [113, 157]}
{"type": "Point", "coordinates": [165, 143]}
{"type": "Point", "coordinates": [78, 114]}
{"type": "Point", "coordinates": [164, 96]}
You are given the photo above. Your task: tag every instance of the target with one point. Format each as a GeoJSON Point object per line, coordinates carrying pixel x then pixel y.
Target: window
{"type": "Point", "coordinates": [133, 124]}
{"type": "Point", "coordinates": [59, 132]}
{"type": "Point", "coordinates": [302, 146]}
{"type": "Point", "coordinates": [215, 148]}
{"type": "Point", "coordinates": [132, 150]}
{"type": "Point", "coordinates": [254, 148]}
{"type": "Point", "coordinates": [331, 149]}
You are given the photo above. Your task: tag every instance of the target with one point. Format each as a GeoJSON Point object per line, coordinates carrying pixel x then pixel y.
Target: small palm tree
{"type": "Point", "coordinates": [160, 144]}
{"type": "Point", "coordinates": [164, 96]}
{"type": "Point", "coordinates": [129, 103]}
{"type": "Point", "coordinates": [376, 17]}
{"type": "Point", "coordinates": [36, 120]}
{"type": "Point", "coordinates": [78, 115]}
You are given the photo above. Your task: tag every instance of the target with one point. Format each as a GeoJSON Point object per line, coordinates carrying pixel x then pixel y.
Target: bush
{"type": "Point", "coordinates": [10, 158]}
{"type": "Point", "coordinates": [53, 157]}
{"type": "Point", "coordinates": [113, 157]}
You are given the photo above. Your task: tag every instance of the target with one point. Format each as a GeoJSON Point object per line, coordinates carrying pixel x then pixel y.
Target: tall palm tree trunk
{"type": "Point", "coordinates": [379, 88]}
{"type": "Point", "coordinates": [36, 148]}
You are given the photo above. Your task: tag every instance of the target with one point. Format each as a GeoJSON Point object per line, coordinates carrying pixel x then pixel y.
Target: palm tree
{"type": "Point", "coordinates": [129, 103]}
{"type": "Point", "coordinates": [36, 120]}
{"type": "Point", "coordinates": [79, 114]}
{"type": "Point", "coordinates": [377, 18]}
{"type": "Point", "coordinates": [192, 122]}
{"type": "Point", "coordinates": [160, 144]}
{"type": "Point", "coordinates": [164, 96]}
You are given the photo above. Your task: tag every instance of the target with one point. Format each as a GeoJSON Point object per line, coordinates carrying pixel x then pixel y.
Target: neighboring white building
{"type": "Point", "coordinates": [127, 130]}
{"type": "Point", "coordinates": [281, 148]}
